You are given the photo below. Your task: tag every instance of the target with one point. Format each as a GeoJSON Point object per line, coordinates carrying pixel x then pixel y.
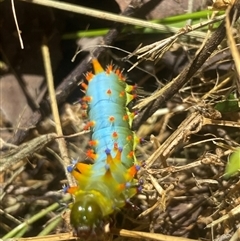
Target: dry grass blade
{"type": "Point", "coordinates": [61, 142]}
{"type": "Point", "coordinates": [54, 237]}
{"type": "Point", "coordinates": [99, 14]}
{"type": "Point", "coordinates": [151, 236]}
{"type": "Point", "coordinates": [123, 233]}
{"type": "Point", "coordinates": [16, 23]}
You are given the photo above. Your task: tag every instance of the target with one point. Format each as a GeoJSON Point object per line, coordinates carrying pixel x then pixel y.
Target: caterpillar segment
{"type": "Point", "coordinates": [105, 186]}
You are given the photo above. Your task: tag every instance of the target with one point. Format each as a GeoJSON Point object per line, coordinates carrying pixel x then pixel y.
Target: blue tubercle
{"type": "Point", "coordinates": [70, 168]}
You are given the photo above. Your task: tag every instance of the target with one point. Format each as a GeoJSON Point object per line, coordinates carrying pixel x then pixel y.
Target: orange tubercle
{"type": "Point", "coordinates": [121, 76]}
{"type": "Point", "coordinates": [131, 88]}
{"type": "Point", "coordinates": [133, 114]}
{"type": "Point", "coordinates": [118, 72]}
{"type": "Point", "coordinates": [92, 143]}
{"type": "Point", "coordinates": [134, 96]}
{"type": "Point", "coordinates": [111, 118]}
{"type": "Point", "coordinates": [115, 146]}
{"type": "Point", "coordinates": [89, 125]}
{"type": "Point", "coordinates": [122, 94]}
{"type": "Point", "coordinates": [90, 153]}
{"type": "Point", "coordinates": [72, 190]}
{"type": "Point", "coordinates": [129, 138]}
{"type": "Point", "coordinates": [131, 172]}
{"type": "Point", "coordinates": [89, 76]}
{"type": "Point", "coordinates": [87, 98]}
{"type": "Point", "coordinates": [115, 134]}
{"type": "Point", "coordinates": [130, 154]}
{"type": "Point", "coordinates": [109, 92]}
{"type": "Point", "coordinates": [84, 107]}
{"type": "Point", "coordinates": [84, 85]}
{"type": "Point", "coordinates": [109, 69]}
{"type": "Point", "coordinates": [121, 187]}
{"type": "Point", "coordinates": [125, 117]}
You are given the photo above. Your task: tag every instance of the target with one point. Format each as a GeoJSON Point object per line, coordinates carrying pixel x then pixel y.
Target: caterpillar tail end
{"type": "Point", "coordinates": [97, 66]}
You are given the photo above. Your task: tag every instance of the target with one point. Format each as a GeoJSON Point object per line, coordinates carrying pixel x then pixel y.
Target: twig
{"type": "Point", "coordinates": [26, 149]}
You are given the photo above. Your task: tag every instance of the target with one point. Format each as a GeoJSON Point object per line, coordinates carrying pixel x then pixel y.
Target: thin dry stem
{"type": "Point", "coordinates": [61, 142]}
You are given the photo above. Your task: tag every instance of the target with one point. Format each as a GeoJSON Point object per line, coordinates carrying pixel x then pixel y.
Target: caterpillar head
{"type": "Point", "coordinates": [87, 218]}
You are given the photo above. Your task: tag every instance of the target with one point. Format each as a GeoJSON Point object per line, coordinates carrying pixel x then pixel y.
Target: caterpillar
{"type": "Point", "coordinates": [106, 185]}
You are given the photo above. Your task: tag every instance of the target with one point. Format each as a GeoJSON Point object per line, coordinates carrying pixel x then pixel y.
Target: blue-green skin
{"type": "Point", "coordinates": [109, 182]}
